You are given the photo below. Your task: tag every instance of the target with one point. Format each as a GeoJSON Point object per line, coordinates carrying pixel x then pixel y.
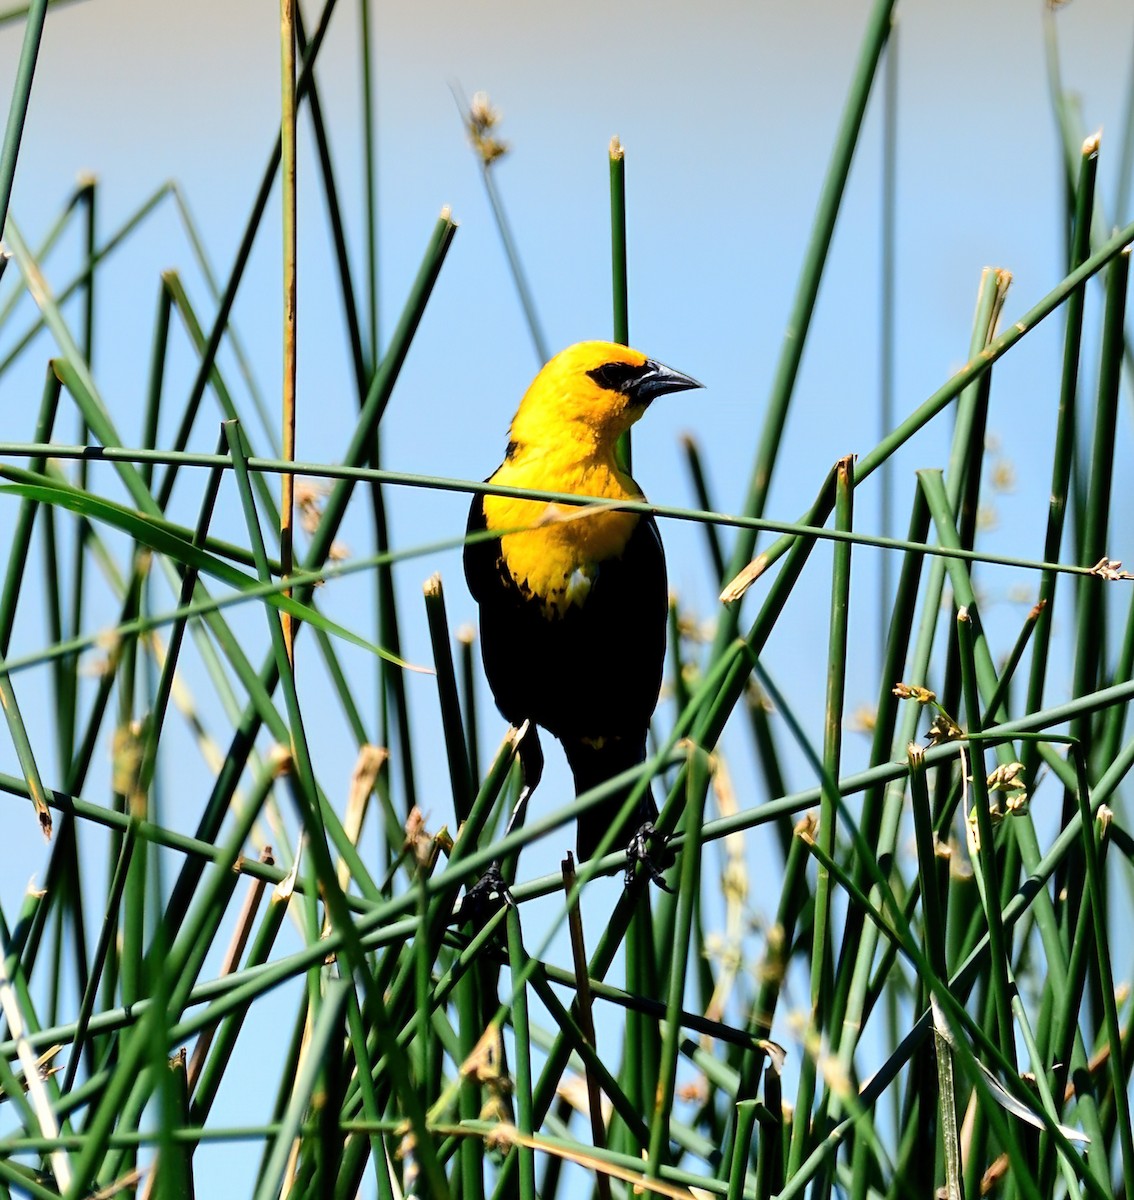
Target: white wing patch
{"type": "Point", "coordinates": [579, 585]}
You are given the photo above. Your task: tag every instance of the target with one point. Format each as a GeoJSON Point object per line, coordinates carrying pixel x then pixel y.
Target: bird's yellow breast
{"type": "Point", "coordinates": [555, 551]}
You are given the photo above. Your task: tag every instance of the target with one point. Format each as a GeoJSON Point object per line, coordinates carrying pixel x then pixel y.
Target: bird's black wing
{"type": "Point", "coordinates": [481, 557]}
{"type": "Point", "coordinates": [619, 638]}
{"type": "Point", "coordinates": [499, 601]}
{"type": "Point", "coordinates": [594, 672]}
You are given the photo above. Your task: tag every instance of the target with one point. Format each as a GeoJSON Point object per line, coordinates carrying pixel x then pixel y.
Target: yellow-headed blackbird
{"type": "Point", "coordinates": [573, 601]}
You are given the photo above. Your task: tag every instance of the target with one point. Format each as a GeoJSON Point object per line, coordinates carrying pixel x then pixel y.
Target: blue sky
{"type": "Point", "coordinates": [727, 112]}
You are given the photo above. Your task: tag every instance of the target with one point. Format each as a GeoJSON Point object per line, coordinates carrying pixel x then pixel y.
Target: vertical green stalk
{"type": "Point", "coordinates": [794, 897]}
{"type": "Point", "coordinates": [886, 321]}
{"type": "Point", "coordinates": [460, 777]}
{"type": "Point", "coordinates": [947, 1114]}
{"type": "Point", "coordinates": [370, 153]}
{"type": "Point", "coordinates": [84, 354]}
{"type": "Point", "coordinates": [641, 1053]}
{"type": "Point", "coordinates": [618, 271]}
{"type": "Point", "coordinates": [290, 294]}
{"type": "Point", "coordinates": [962, 477]}
{"type": "Point", "coordinates": [466, 639]}
{"type": "Point", "coordinates": [772, 1149]}
{"type": "Point", "coordinates": [618, 243]}
{"type": "Point", "coordinates": [1066, 1054]}
{"type": "Point", "coordinates": [89, 193]}
{"type": "Point", "coordinates": [1000, 950]}
{"type": "Point", "coordinates": [821, 951]}
{"type": "Point", "coordinates": [583, 1006]}
{"type": "Point", "coordinates": [933, 912]}
{"type": "Point", "coordinates": [1096, 898]}
{"type": "Point", "coordinates": [470, 1151]}
{"type": "Point", "coordinates": [156, 378]}
{"type": "Point", "coordinates": [518, 963]}
{"type": "Point", "coordinates": [224, 1041]}
{"type": "Point", "coordinates": [324, 1037]}
{"type": "Point", "coordinates": [1064, 451]}
{"type": "Point", "coordinates": [132, 986]}
{"type": "Point", "coordinates": [988, 685]}
{"type": "Point", "coordinates": [688, 890]}
{"type": "Point", "coordinates": [424, 1043]}
{"type": "Point", "coordinates": [879, 816]}
{"type": "Point", "coordinates": [641, 1032]}
{"type": "Point", "coordinates": [1090, 624]}
{"type": "Point", "coordinates": [934, 941]}
{"type": "Point", "coordinates": [1045, 1094]}
{"type": "Point", "coordinates": [174, 1161]}
{"type": "Point", "coordinates": [746, 1113]}
{"type": "Point", "coordinates": [358, 1046]}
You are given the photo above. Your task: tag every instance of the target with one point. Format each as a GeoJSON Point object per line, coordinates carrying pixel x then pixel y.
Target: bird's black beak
{"type": "Point", "coordinates": [654, 379]}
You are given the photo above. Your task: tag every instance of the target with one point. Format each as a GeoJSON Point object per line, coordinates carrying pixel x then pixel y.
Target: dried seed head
{"type": "Point", "coordinates": [911, 691]}
{"type": "Point", "coordinates": [744, 580]}
{"type": "Point", "coordinates": [482, 118]}
{"type": "Point", "coordinates": [1110, 570]}
{"type": "Point", "coordinates": [944, 729]}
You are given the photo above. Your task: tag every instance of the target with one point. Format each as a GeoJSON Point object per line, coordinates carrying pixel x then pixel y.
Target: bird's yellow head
{"type": "Point", "coordinates": [591, 392]}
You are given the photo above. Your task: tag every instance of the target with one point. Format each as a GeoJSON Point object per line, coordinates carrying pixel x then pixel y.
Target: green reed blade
{"type": "Point", "coordinates": [18, 106]}
{"type": "Point", "coordinates": [1064, 445]}
{"type": "Point", "coordinates": [688, 889]}
{"type": "Point", "coordinates": [618, 273]}
{"type": "Point", "coordinates": [324, 1036]}
{"type": "Point", "coordinates": [1089, 831]}
{"type": "Point", "coordinates": [976, 367]}
{"type": "Point", "coordinates": [986, 864]}
{"type": "Point", "coordinates": [811, 273]}
{"type": "Point", "coordinates": [460, 776]}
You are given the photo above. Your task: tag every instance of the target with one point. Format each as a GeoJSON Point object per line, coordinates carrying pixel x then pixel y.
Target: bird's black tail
{"type": "Point", "coordinates": [592, 765]}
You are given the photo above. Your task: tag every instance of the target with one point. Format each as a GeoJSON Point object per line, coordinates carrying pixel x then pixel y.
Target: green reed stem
{"type": "Point", "coordinates": [618, 273]}
{"type": "Point", "coordinates": [807, 289]}
{"type": "Point", "coordinates": [18, 106]}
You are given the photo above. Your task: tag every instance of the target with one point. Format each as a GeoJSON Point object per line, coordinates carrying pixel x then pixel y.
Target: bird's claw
{"type": "Point", "coordinates": [489, 894]}
{"type": "Point", "coordinates": [639, 852]}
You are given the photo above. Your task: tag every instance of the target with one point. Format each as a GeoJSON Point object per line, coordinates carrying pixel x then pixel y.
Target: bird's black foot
{"type": "Point", "coordinates": [639, 852]}
{"type": "Point", "coordinates": [489, 894]}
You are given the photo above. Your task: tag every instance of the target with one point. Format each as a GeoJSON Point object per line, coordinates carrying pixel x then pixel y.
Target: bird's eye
{"type": "Point", "coordinates": [616, 376]}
